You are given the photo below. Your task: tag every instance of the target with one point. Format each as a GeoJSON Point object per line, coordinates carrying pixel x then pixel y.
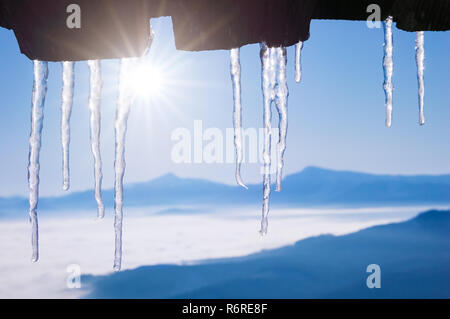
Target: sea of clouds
{"type": "Point", "coordinates": [150, 239]}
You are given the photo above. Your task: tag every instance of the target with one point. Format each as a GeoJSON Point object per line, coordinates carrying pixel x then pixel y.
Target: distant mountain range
{"type": "Point", "coordinates": [311, 187]}
{"type": "Point", "coordinates": [413, 257]}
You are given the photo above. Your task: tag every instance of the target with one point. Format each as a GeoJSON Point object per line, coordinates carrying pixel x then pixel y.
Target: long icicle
{"type": "Point", "coordinates": [235, 70]}
{"type": "Point", "coordinates": [273, 73]}
{"type": "Point", "coordinates": [388, 64]}
{"type": "Point", "coordinates": [124, 101]}
{"type": "Point", "coordinates": [66, 111]}
{"type": "Point", "coordinates": [282, 92]}
{"type": "Point", "coordinates": [37, 118]}
{"type": "Point", "coordinates": [267, 83]}
{"type": "Point", "coordinates": [95, 121]}
{"type": "Point", "coordinates": [298, 63]}
{"type": "Point", "coordinates": [420, 61]}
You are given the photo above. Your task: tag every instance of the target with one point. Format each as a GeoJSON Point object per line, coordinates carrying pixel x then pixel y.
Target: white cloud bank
{"type": "Point", "coordinates": [157, 239]}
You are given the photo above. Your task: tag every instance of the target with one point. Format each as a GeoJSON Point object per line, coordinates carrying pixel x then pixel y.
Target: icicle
{"type": "Point", "coordinates": [66, 110]}
{"type": "Point", "coordinates": [237, 111]}
{"type": "Point", "coordinates": [282, 99]}
{"type": "Point", "coordinates": [388, 64]}
{"type": "Point", "coordinates": [420, 61]}
{"type": "Point", "coordinates": [298, 65]}
{"type": "Point", "coordinates": [37, 118]}
{"type": "Point", "coordinates": [124, 101]}
{"type": "Point", "coordinates": [268, 83]}
{"type": "Point", "coordinates": [94, 108]}
{"type": "Point", "coordinates": [272, 72]}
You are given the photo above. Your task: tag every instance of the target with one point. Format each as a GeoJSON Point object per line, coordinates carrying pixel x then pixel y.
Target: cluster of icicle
{"type": "Point", "coordinates": [275, 92]}
{"type": "Point", "coordinates": [125, 99]}
{"type": "Point", "coordinates": [388, 66]}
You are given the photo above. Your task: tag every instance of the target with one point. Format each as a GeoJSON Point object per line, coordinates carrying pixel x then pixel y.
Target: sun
{"type": "Point", "coordinates": [146, 80]}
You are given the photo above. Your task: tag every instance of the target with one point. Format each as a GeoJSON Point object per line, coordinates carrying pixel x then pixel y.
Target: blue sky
{"type": "Point", "coordinates": [336, 115]}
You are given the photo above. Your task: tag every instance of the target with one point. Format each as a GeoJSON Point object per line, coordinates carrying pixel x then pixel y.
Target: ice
{"type": "Point", "coordinates": [272, 72]}
{"type": "Point", "coordinates": [420, 61]}
{"type": "Point", "coordinates": [124, 102]}
{"type": "Point", "coordinates": [37, 118]}
{"type": "Point", "coordinates": [268, 86]}
{"type": "Point", "coordinates": [388, 64]}
{"type": "Point", "coordinates": [275, 91]}
{"type": "Point", "coordinates": [298, 65]}
{"type": "Point", "coordinates": [282, 94]}
{"type": "Point", "coordinates": [235, 70]}
{"type": "Point", "coordinates": [95, 117]}
{"type": "Point", "coordinates": [66, 110]}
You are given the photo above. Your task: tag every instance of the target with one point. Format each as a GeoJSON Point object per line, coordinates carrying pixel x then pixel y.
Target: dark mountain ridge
{"type": "Point", "coordinates": [311, 187]}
